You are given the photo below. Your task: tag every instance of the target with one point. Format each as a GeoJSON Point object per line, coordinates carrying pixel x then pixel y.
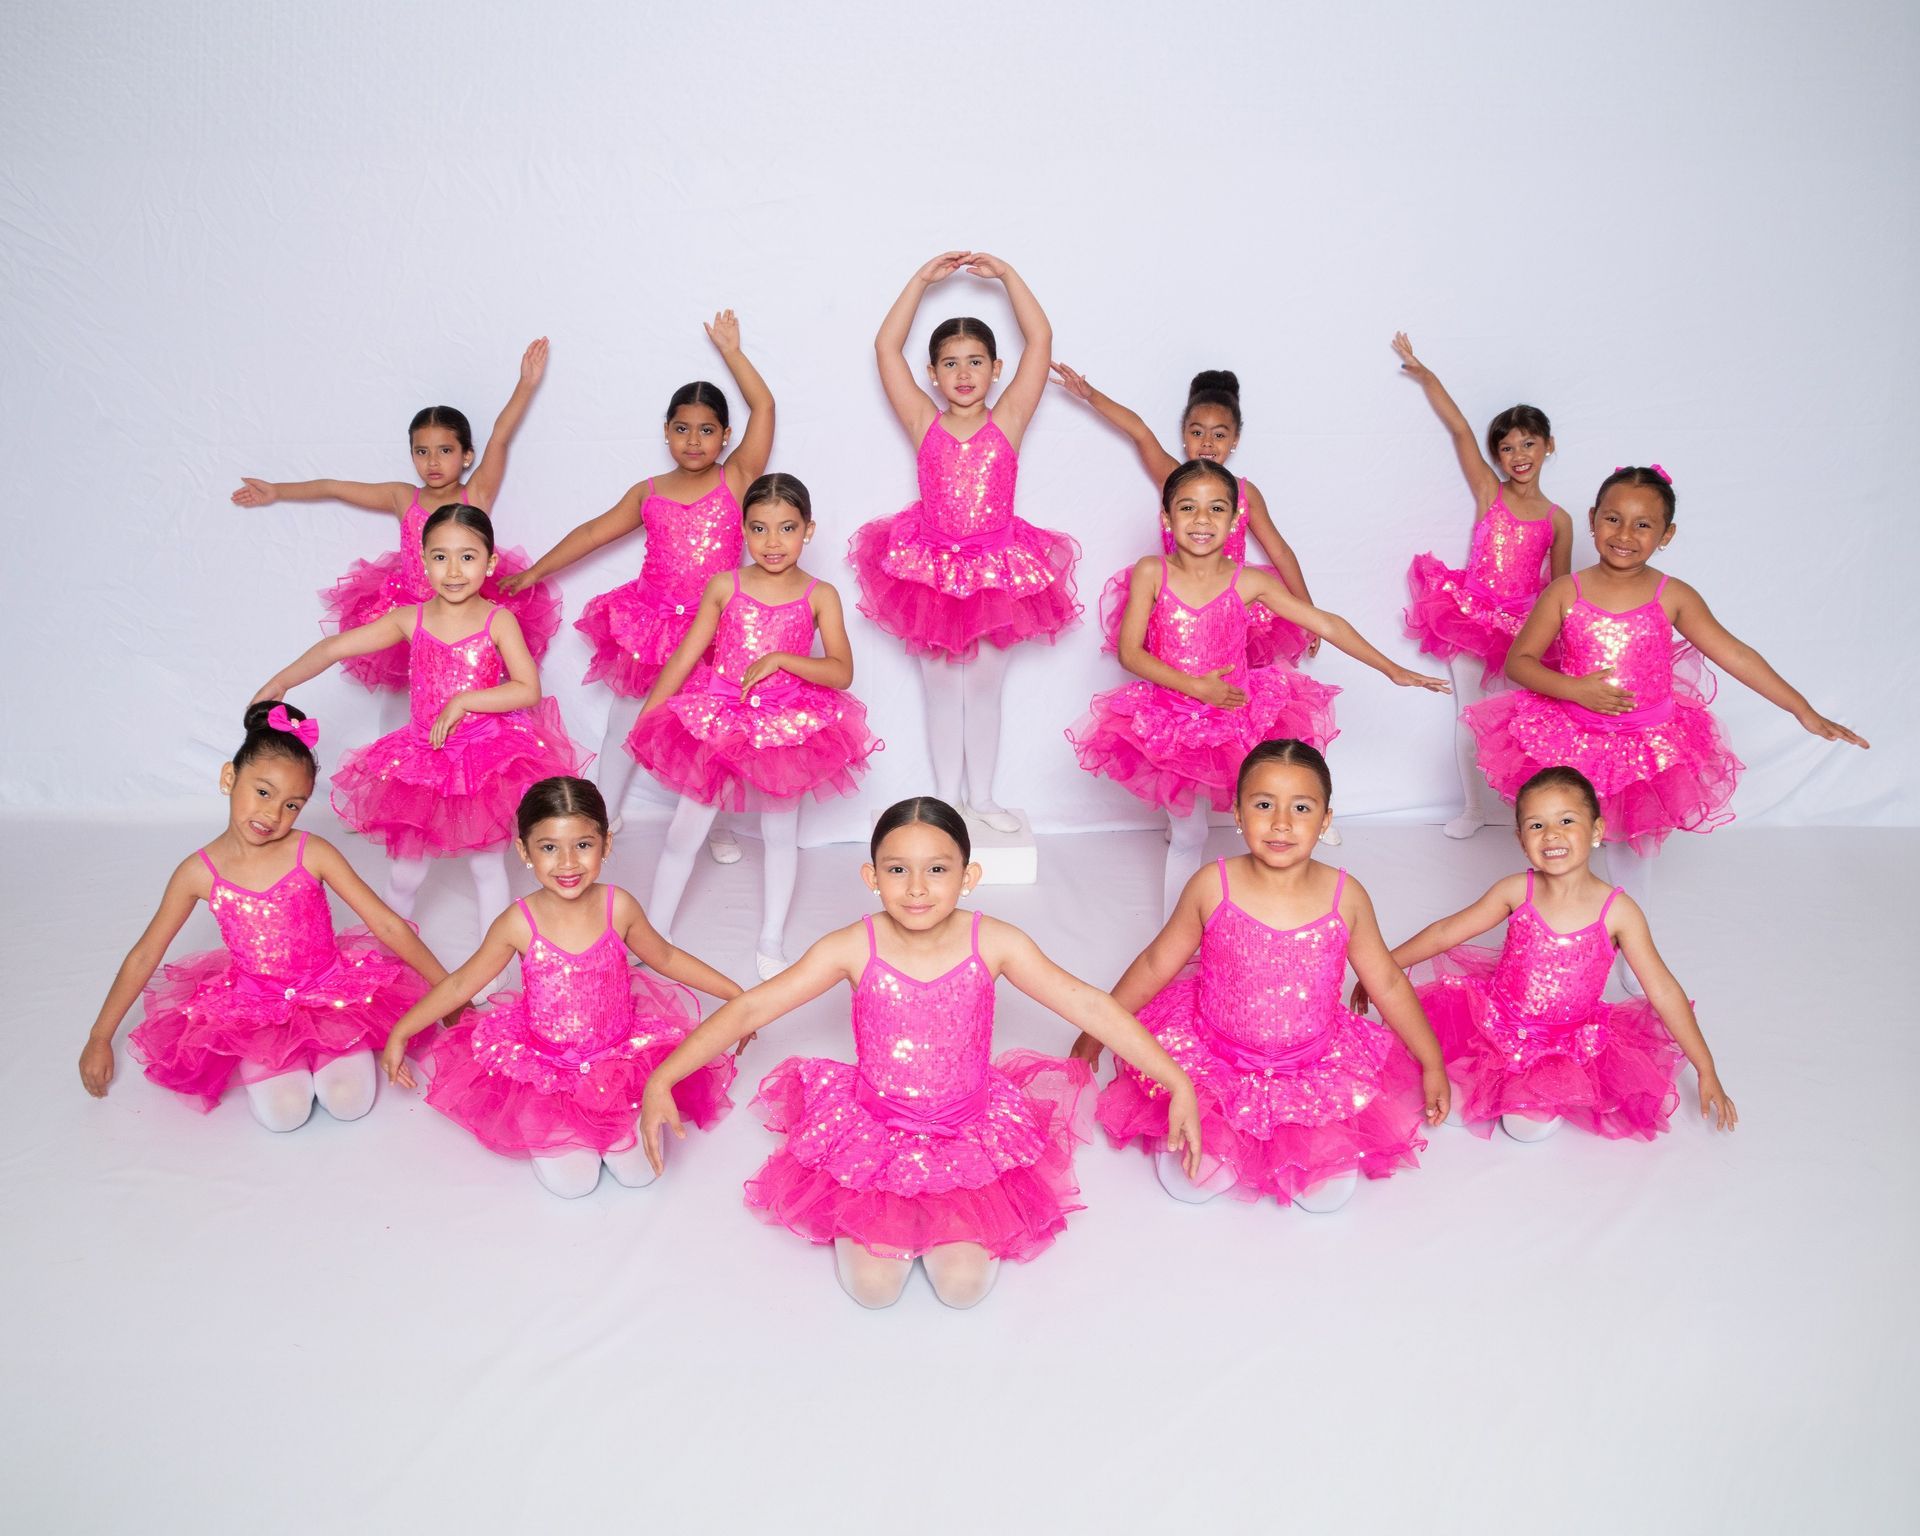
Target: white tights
{"type": "Point", "coordinates": [1184, 848]}
{"type": "Point", "coordinates": [961, 1273]}
{"type": "Point", "coordinates": [613, 769]}
{"type": "Point", "coordinates": [486, 866]}
{"type": "Point", "coordinates": [963, 725]}
{"type": "Point", "coordinates": [1478, 802]}
{"type": "Point", "coordinates": [1633, 873]}
{"type": "Point", "coordinates": [574, 1173]}
{"type": "Point", "coordinates": [779, 831]}
{"type": "Point", "coordinates": [345, 1088]}
{"type": "Point", "coordinates": [1216, 1178]}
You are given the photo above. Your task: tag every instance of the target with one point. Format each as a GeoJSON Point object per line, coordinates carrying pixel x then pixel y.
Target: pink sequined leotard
{"type": "Point", "coordinates": [922, 1140]}
{"type": "Point", "coordinates": [562, 1063]}
{"type": "Point", "coordinates": [957, 569]}
{"type": "Point", "coordinates": [1663, 765]}
{"type": "Point", "coordinates": [787, 739]}
{"type": "Point", "coordinates": [1524, 1031]}
{"type": "Point", "coordinates": [1170, 749]}
{"type": "Point", "coordinates": [1294, 1087]}
{"type": "Point", "coordinates": [635, 628]}
{"type": "Point", "coordinates": [428, 802]}
{"type": "Point", "coordinates": [285, 993]}
{"type": "Point", "coordinates": [1479, 610]}
{"type": "Point", "coordinates": [397, 579]}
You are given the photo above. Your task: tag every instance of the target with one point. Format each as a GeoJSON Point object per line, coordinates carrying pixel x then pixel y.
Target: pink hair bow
{"type": "Point", "coordinates": [1654, 467]}
{"type": "Point", "coordinates": [307, 730]}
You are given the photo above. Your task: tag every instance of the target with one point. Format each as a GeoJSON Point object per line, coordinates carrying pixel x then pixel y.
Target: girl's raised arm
{"type": "Point", "coordinates": [1669, 999]}
{"type": "Point", "coordinates": [507, 937]}
{"type": "Point", "coordinates": [1155, 459]}
{"type": "Point", "coordinates": [748, 462]}
{"type": "Point", "coordinates": [1734, 656]}
{"type": "Point", "coordinates": [1021, 398]}
{"type": "Point", "coordinates": [1481, 479]}
{"type": "Point", "coordinates": [484, 483]}
{"type": "Point", "coordinates": [1393, 995]}
{"type": "Point", "coordinates": [909, 401]}
{"type": "Point", "coordinates": [1257, 586]}
{"type": "Point", "coordinates": [188, 883]}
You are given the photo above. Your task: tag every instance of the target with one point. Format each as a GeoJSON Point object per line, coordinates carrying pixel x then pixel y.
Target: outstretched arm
{"type": "Point", "coordinates": [1628, 925]}
{"type": "Point", "coordinates": [507, 937]}
{"type": "Point", "coordinates": [1021, 398]}
{"type": "Point", "coordinates": [390, 496]}
{"type": "Point", "coordinates": [389, 629]}
{"type": "Point", "coordinates": [1393, 995]}
{"type": "Point", "coordinates": [1156, 965]}
{"type": "Point", "coordinates": [748, 462]}
{"type": "Point", "coordinates": [1695, 620]}
{"type": "Point", "coordinates": [1481, 479]}
{"type": "Point", "coordinates": [1445, 933]}
{"type": "Point", "coordinates": [483, 485]}
{"type": "Point", "coordinates": [1259, 587]}
{"type": "Point", "coordinates": [1154, 459]}
{"type": "Point", "coordinates": [188, 883]}
{"type": "Point", "coordinates": [1267, 535]}
{"type": "Point", "coordinates": [652, 950]}
{"type": "Point", "coordinates": [909, 401]}
{"type": "Point", "coordinates": [617, 521]}
{"type": "Point", "coordinates": [330, 867]}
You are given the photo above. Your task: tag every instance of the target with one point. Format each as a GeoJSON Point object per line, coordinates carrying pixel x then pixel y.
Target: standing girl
{"type": "Point", "coordinates": [1209, 429]}
{"type": "Point", "coordinates": [1298, 1096]}
{"type": "Point", "coordinates": [691, 517]}
{"type": "Point", "coordinates": [957, 576]}
{"type": "Point", "coordinates": [442, 445]}
{"type": "Point", "coordinates": [553, 1073]}
{"type": "Point", "coordinates": [293, 1009]}
{"type": "Point", "coordinates": [922, 1147]}
{"type": "Point", "coordinates": [1469, 617]}
{"type": "Point", "coordinates": [765, 723]}
{"type": "Point", "coordinates": [449, 781]}
{"type": "Point", "coordinates": [1176, 736]}
{"type": "Point", "coordinates": [1528, 1042]}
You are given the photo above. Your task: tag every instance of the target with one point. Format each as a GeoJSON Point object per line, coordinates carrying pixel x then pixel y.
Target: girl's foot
{"type": "Point", "coordinates": [723, 846]}
{"type": "Point", "coordinates": [1328, 1194]}
{"type": "Point", "coordinates": [1465, 824]}
{"type": "Point", "coordinates": [1526, 1128]}
{"type": "Point", "coordinates": [994, 816]}
{"type": "Point", "coordinates": [769, 965]}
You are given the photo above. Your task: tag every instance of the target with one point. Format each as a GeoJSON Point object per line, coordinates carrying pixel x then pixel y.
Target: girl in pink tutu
{"type": "Point", "coordinates": [1618, 707]}
{"type": "Point", "coordinates": [1209, 429]}
{"type": "Point", "coordinates": [763, 723]}
{"type": "Point", "coordinates": [1298, 1096]}
{"type": "Point", "coordinates": [922, 1147]}
{"type": "Point", "coordinates": [1469, 617]}
{"type": "Point", "coordinates": [1528, 1041]}
{"type": "Point", "coordinates": [447, 783]}
{"type": "Point", "coordinates": [442, 445]}
{"type": "Point", "coordinates": [293, 1009]}
{"type": "Point", "coordinates": [1175, 737]}
{"type": "Point", "coordinates": [553, 1072]}
{"type": "Point", "coordinates": [957, 576]}
{"type": "Point", "coordinates": [691, 518]}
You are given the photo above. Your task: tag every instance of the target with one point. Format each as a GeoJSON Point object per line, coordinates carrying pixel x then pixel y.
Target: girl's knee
{"type": "Point", "coordinates": [868, 1278]}
{"type": "Point", "coordinates": [346, 1086]}
{"type": "Point", "coordinates": [962, 1274]}
{"type": "Point", "coordinates": [282, 1103]}
{"type": "Point", "coordinates": [571, 1175]}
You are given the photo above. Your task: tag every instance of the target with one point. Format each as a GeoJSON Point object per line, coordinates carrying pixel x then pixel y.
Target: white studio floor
{"type": "Point", "coordinates": [381, 1326]}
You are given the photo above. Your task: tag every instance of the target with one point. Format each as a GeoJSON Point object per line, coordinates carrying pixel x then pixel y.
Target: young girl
{"type": "Point", "coordinates": [1617, 708]}
{"type": "Point", "coordinates": [442, 444]}
{"type": "Point", "coordinates": [765, 723]}
{"type": "Point", "coordinates": [479, 733]}
{"type": "Point", "coordinates": [1209, 429]}
{"type": "Point", "coordinates": [1469, 617]}
{"type": "Point", "coordinates": [956, 575]}
{"type": "Point", "coordinates": [553, 1073]}
{"type": "Point", "coordinates": [1176, 736]}
{"type": "Point", "coordinates": [1528, 1042]}
{"type": "Point", "coordinates": [922, 1147]}
{"type": "Point", "coordinates": [293, 1008]}
{"type": "Point", "coordinates": [691, 517]}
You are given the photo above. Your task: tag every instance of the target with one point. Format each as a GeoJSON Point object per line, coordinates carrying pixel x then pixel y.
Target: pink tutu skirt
{"type": "Point", "coordinates": [1003, 1179]}
{"type": "Point", "coordinates": [1271, 640]}
{"type": "Point", "coordinates": [1613, 1074]}
{"type": "Point", "coordinates": [1173, 751]}
{"type": "Point", "coordinates": [792, 739]}
{"type": "Point", "coordinates": [425, 804]}
{"type": "Point", "coordinates": [1357, 1108]}
{"type": "Point", "coordinates": [633, 630]}
{"type": "Point", "coordinates": [206, 1019]}
{"type": "Point", "coordinates": [946, 598]}
{"type": "Point", "coordinates": [374, 587]}
{"type": "Point", "coordinates": [1450, 617]}
{"type": "Point", "coordinates": [523, 1097]}
{"type": "Point", "coordinates": [1677, 775]}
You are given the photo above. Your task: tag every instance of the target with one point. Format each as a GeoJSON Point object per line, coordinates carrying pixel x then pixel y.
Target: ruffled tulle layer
{"type": "Point", "coordinates": [374, 587]}
{"type": "Point", "coordinates": [1617, 1080]}
{"type": "Point", "coordinates": [1678, 775]}
{"type": "Point", "coordinates": [1271, 640]}
{"type": "Point", "coordinates": [947, 599]}
{"type": "Point", "coordinates": [1449, 618]}
{"type": "Point", "coordinates": [494, 1077]}
{"type": "Point", "coordinates": [421, 803]}
{"type": "Point", "coordinates": [1003, 1180]}
{"type": "Point", "coordinates": [206, 1020]}
{"type": "Point", "coordinates": [722, 751]}
{"type": "Point", "coordinates": [633, 630]}
{"type": "Point", "coordinates": [1358, 1107]}
{"type": "Point", "coordinates": [1174, 752]}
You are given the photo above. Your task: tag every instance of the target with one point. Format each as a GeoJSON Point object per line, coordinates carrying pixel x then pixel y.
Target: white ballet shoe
{"type": "Point", "coordinates": [1331, 837]}
{"type": "Point", "coordinates": [1328, 1194]}
{"type": "Point", "coordinates": [1465, 824]}
{"type": "Point", "coordinates": [1172, 1174]}
{"type": "Point", "coordinates": [768, 966]}
{"type": "Point", "coordinates": [1526, 1128]}
{"type": "Point", "coordinates": [723, 846]}
{"type": "Point", "coordinates": [995, 817]}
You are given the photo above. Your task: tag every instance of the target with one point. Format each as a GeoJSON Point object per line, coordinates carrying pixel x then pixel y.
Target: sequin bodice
{"type": "Point", "coordinates": [1506, 557]}
{"type": "Point", "coordinates": [576, 1005]}
{"type": "Point", "coordinates": [284, 933]}
{"type": "Point", "coordinates": [750, 629]}
{"type": "Point", "coordinates": [923, 1043]}
{"type": "Point", "coordinates": [966, 489]}
{"type": "Point", "coordinates": [1546, 978]}
{"type": "Point", "coordinates": [408, 581]}
{"type": "Point", "coordinates": [1198, 640]}
{"type": "Point", "coordinates": [1270, 992]}
{"type": "Point", "coordinates": [1638, 646]}
{"type": "Point", "coordinates": [689, 543]}
{"type": "Point", "coordinates": [436, 671]}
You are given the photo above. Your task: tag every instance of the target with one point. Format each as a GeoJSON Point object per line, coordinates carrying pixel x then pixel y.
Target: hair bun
{"type": "Point", "coordinates": [1222, 379]}
{"type": "Point", "coordinates": [255, 719]}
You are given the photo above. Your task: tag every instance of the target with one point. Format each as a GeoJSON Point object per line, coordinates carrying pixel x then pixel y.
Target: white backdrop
{"type": "Point", "coordinates": [245, 241]}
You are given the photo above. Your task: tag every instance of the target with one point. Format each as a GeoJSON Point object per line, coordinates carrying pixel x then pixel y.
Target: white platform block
{"type": "Point", "coordinates": [1005, 858]}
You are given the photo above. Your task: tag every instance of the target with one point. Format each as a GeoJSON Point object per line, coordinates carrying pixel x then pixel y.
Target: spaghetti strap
{"type": "Point", "coordinates": [1578, 595]}
{"type": "Point", "coordinates": [527, 912]}
{"type": "Point", "coordinates": [209, 863]}
{"type": "Point", "coordinates": [1339, 889]}
{"type": "Point", "coordinates": [736, 583]}
{"type": "Point", "coordinates": [1607, 905]}
{"type": "Point", "coordinates": [1221, 865]}
{"type": "Point", "coordinates": [300, 852]}
{"type": "Point", "coordinates": [1163, 573]}
{"type": "Point", "coordinates": [873, 944]}
{"type": "Point", "coordinates": [1659, 589]}
{"type": "Point", "coordinates": [463, 496]}
{"type": "Point", "coordinates": [609, 909]}
{"type": "Point", "coordinates": [419, 616]}
{"type": "Point", "coordinates": [976, 936]}
{"type": "Point", "coordinates": [812, 582]}
{"type": "Point", "coordinates": [1529, 900]}
{"type": "Point", "coordinates": [487, 628]}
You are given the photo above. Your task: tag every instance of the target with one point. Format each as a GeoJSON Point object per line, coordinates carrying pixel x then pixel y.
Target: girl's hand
{"type": "Point", "coordinates": [1183, 1130]}
{"type": "Point", "coordinates": [519, 581]}
{"type": "Point", "coordinates": [980, 264]}
{"type": "Point", "coordinates": [1313, 647]}
{"type": "Point", "coordinates": [1715, 1106]}
{"type": "Point", "coordinates": [657, 1109]}
{"type": "Point", "coordinates": [1831, 730]}
{"type": "Point", "coordinates": [96, 1067]}
{"type": "Point", "coordinates": [943, 266]}
{"type": "Point", "coordinates": [745, 1041]}
{"type": "Point", "coordinates": [1409, 364]}
{"type": "Point", "coordinates": [1213, 688]}
{"type": "Point", "coordinates": [393, 1062]}
{"type": "Point", "coordinates": [1086, 1049]}
{"type": "Point", "coordinates": [1073, 383]}
{"type": "Point", "coordinates": [761, 670]}
{"type": "Point", "coordinates": [533, 361]}
{"type": "Point", "coordinates": [255, 493]}
{"type": "Point", "coordinates": [724, 333]}
{"type": "Point", "coordinates": [1438, 1092]}
{"type": "Point", "coordinates": [1400, 677]}
{"type": "Point", "coordinates": [1359, 1002]}
{"type": "Point", "coordinates": [451, 715]}
{"type": "Point", "coordinates": [1598, 692]}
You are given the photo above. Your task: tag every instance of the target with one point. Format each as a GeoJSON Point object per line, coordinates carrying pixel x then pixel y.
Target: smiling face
{"type": "Point", "coordinates": [1629, 527]}
{"type": "Point", "coordinates": [1281, 812]}
{"type": "Point", "coordinates": [962, 370]}
{"type": "Point", "coordinates": [695, 438]}
{"type": "Point", "coordinates": [920, 876]}
{"type": "Point", "coordinates": [438, 458]}
{"type": "Point", "coordinates": [265, 797]}
{"type": "Point", "coordinates": [776, 533]}
{"type": "Point", "coordinates": [1209, 433]}
{"type": "Point", "coordinates": [457, 561]}
{"type": "Point", "coordinates": [565, 853]}
{"type": "Point", "coordinates": [1558, 830]}
{"type": "Point", "coordinates": [1200, 515]}
{"type": "Point", "coordinates": [1521, 453]}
